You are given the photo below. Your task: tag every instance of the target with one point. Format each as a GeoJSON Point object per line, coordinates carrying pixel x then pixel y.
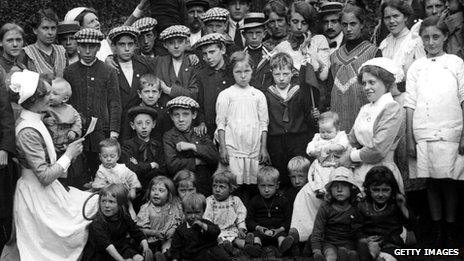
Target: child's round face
{"type": "Point", "coordinates": [176, 46]}
{"type": "Point", "coordinates": [109, 156]}
{"type": "Point", "coordinates": [381, 194]}
{"type": "Point", "coordinates": [193, 213]}
{"type": "Point", "coordinates": [433, 40]}
{"type": "Point", "coordinates": [221, 190]}
{"type": "Point", "coordinates": [124, 48]}
{"type": "Point", "coordinates": [282, 77]}
{"type": "Point", "coordinates": [213, 55]}
{"type": "Point", "coordinates": [254, 37]}
{"type": "Point", "coordinates": [327, 130]}
{"type": "Point", "coordinates": [298, 178]}
{"type": "Point", "coordinates": [340, 191]}
{"type": "Point", "coordinates": [109, 205]}
{"type": "Point", "coordinates": [185, 189]}
{"type": "Point", "coordinates": [58, 94]}
{"type": "Point", "coordinates": [143, 124]}
{"type": "Point", "coordinates": [267, 187]}
{"type": "Point", "coordinates": [182, 118]}
{"type": "Point", "coordinates": [149, 94]}
{"type": "Point", "coordinates": [215, 27]}
{"type": "Point", "coordinates": [242, 73]}
{"type": "Point", "coordinates": [159, 194]}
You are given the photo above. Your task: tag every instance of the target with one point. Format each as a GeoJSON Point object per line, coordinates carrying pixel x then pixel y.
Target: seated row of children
{"type": "Point", "coordinates": [176, 222]}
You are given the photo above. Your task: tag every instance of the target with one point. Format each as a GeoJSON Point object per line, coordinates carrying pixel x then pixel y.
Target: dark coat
{"type": "Point", "coordinates": [95, 94]}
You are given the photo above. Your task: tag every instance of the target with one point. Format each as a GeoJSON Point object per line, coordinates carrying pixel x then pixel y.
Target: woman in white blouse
{"type": "Point", "coordinates": [375, 132]}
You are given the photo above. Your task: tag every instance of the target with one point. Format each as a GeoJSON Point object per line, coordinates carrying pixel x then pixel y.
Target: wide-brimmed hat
{"type": "Point", "coordinates": [341, 174]}
{"type": "Point", "coordinates": [67, 27]}
{"type": "Point", "coordinates": [253, 20]}
{"type": "Point", "coordinates": [134, 111]}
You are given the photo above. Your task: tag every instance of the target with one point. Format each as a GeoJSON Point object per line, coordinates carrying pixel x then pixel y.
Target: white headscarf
{"type": "Point", "coordinates": [24, 83]}
{"type": "Point", "coordinates": [72, 14]}
{"type": "Point", "coordinates": [387, 64]}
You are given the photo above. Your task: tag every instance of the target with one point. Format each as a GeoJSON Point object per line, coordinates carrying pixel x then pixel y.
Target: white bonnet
{"type": "Point", "coordinates": [387, 64]}
{"type": "Point", "coordinates": [24, 83]}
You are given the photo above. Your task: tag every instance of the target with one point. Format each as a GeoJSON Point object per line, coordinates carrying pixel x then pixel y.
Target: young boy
{"type": "Point", "coordinates": [111, 172]}
{"type": "Point", "coordinates": [65, 125]}
{"type": "Point", "coordinates": [196, 238]}
{"type": "Point", "coordinates": [143, 154]}
{"type": "Point", "coordinates": [291, 125]}
{"type": "Point", "coordinates": [215, 21]}
{"type": "Point", "coordinates": [184, 149]}
{"type": "Point", "coordinates": [44, 56]}
{"type": "Point", "coordinates": [253, 30]}
{"type": "Point", "coordinates": [96, 93]}
{"type": "Point", "coordinates": [65, 32]}
{"type": "Point", "coordinates": [212, 79]}
{"type": "Point", "coordinates": [148, 35]}
{"type": "Point", "coordinates": [123, 42]}
{"type": "Point", "coordinates": [268, 216]}
{"type": "Point", "coordinates": [174, 70]}
{"type": "Point", "coordinates": [298, 168]}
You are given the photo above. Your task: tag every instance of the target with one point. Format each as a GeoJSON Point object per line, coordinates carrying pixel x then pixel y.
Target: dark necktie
{"type": "Point", "coordinates": [237, 37]}
{"type": "Point", "coordinates": [333, 44]}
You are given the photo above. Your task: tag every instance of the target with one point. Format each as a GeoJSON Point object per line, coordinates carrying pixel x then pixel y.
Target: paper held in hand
{"type": "Point", "coordinates": [91, 127]}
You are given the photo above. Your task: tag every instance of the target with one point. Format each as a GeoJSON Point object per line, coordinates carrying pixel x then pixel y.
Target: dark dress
{"type": "Point", "coordinates": [104, 232]}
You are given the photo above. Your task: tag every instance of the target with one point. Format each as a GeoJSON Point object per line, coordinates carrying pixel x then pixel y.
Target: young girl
{"type": "Point", "coordinates": [108, 233]}
{"type": "Point", "coordinates": [337, 221]}
{"type": "Point", "coordinates": [325, 146]}
{"type": "Point", "coordinates": [185, 183]}
{"type": "Point", "coordinates": [227, 211]}
{"type": "Point", "coordinates": [242, 120]}
{"type": "Point", "coordinates": [111, 172]}
{"type": "Point", "coordinates": [160, 216]}
{"type": "Point", "coordinates": [384, 213]}
{"type": "Point", "coordinates": [435, 125]}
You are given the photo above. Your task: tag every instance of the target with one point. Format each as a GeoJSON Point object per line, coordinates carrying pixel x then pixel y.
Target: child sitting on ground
{"type": "Point", "coordinates": [337, 221]}
{"type": "Point", "coordinates": [112, 231]}
{"type": "Point", "coordinates": [268, 216]}
{"type": "Point", "coordinates": [326, 145]}
{"type": "Point", "coordinates": [185, 183]}
{"type": "Point", "coordinates": [160, 216]}
{"type": "Point", "coordinates": [227, 211]}
{"type": "Point", "coordinates": [298, 168]}
{"type": "Point", "coordinates": [111, 172]}
{"type": "Point", "coordinates": [196, 238]}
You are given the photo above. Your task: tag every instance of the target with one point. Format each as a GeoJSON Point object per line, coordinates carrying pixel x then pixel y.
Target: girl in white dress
{"type": "Point", "coordinates": [434, 96]}
{"type": "Point", "coordinates": [242, 120]}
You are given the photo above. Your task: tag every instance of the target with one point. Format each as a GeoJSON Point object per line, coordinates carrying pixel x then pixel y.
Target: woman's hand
{"type": "Point", "coordinates": [264, 158]}
{"type": "Point", "coordinates": [411, 147]}
{"type": "Point", "coordinates": [223, 156]}
{"type": "Point", "coordinates": [345, 160]}
{"type": "Point", "coordinates": [74, 149]}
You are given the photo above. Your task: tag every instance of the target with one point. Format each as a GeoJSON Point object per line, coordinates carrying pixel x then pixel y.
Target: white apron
{"type": "Point", "coordinates": [48, 219]}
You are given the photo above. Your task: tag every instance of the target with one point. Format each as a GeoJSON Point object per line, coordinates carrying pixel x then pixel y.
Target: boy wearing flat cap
{"type": "Point", "coordinates": [175, 71]}
{"type": "Point", "coordinates": [130, 68]}
{"type": "Point", "coordinates": [212, 79]}
{"type": "Point", "coordinates": [142, 154]}
{"type": "Point", "coordinates": [65, 32]}
{"type": "Point", "coordinates": [184, 149]}
{"type": "Point", "coordinates": [147, 37]}
{"type": "Point", "coordinates": [215, 20]}
{"type": "Point", "coordinates": [95, 91]}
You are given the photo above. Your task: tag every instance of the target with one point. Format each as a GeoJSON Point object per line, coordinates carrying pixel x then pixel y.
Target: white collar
{"type": "Point", "coordinates": [384, 99]}
{"type": "Point", "coordinates": [31, 116]}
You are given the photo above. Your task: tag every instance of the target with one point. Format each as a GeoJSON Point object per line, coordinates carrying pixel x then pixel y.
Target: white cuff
{"type": "Point", "coordinates": [64, 162]}
{"type": "Point", "coordinates": [355, 155]}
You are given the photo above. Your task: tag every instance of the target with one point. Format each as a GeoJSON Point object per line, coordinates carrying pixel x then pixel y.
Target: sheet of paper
{"type": "Point", "coordinates": [91, 127]}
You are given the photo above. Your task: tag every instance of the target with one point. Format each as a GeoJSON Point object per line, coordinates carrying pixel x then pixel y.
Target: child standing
{"type": "Point", "coordinates": [185, 182]}
{"type": "Point", "coordinates": [242, 119]}
{"type": "Point", "coordinates": [269, 215]}
{"type": "Point", "coordinates": [184, 149]}
{"type": "Point", "coordinates": [108, 233]}
{"type": "Point", "coordinates": [196, 238]}
{"type": "Point", "coordinates": [111, 172]}
{"type": "Point", "coordinates": [337, 221]}
{"type": "Point", "coordinates": [227, 211]}
{"type": "Point", "coordinates": [160, 216]}
{"type": "Point", "coordinates": [291, 124]}
{"type": "Point", "coordinates": [384, 214]}
{"type": "Point", "coordinates": [326, 145]}
{"type": "Point", "coordinates": [435, 126]}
